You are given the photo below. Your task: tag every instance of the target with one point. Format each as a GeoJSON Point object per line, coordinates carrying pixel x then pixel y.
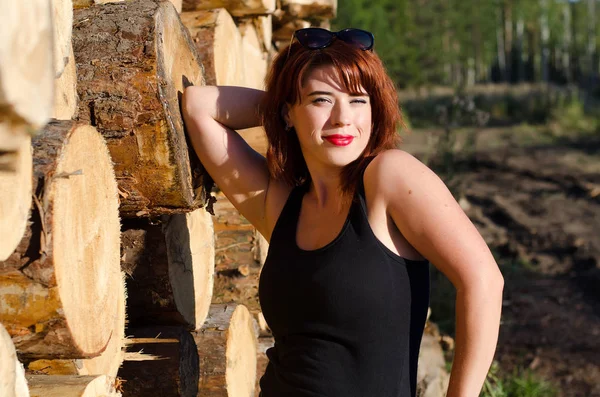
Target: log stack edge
{"type": "Point", "coordinates": [114, 278]}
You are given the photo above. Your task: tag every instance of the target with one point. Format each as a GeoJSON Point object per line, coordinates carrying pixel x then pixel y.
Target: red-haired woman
{"type": "Point", "coordinates": [353, 223]}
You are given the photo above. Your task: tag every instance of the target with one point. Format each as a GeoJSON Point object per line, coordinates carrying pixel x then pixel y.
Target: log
{"type": "Point", "coordinates": [107, 363]}
{"type": "Point", "coordinates": [309, 9]}
{"type": "Point", "coordinates": [219, 44]}
{"type": "Point", "coordinates": [12, 374]}
{"type": "Point", "coordinates": [170, 269]}
{"type": "Point", "coordinates": [282, 33]}
{"type": "Point", "coordinates": [59, 289]}
{"type": "Point", "coordinates": [262, 360]}
{"type": "Point", "coordinates": [255, 59]}
{"type": "Point", "coordinates": [15, 198]}
{"type": "Point", "coordinates": [65, 91]}
{"type": "Point", "coordinates": [134, 60]}
{"type": "Point", "coordinates": [161, 361]}
{"type": "Point", "coordinates": [26, 70]}
{"type": "Point", "coordinates": [62, 24]}
{"type": "Point", "coordinates": [87, 3]}
{"type": "Point", "coordinates": [228, 346]}
{"type": "Point", "coordinates": [71, 386]}
{"type": "Point", "coordinates": [237, 8]}
{"type": "Point", "coordinates": [256, 137]}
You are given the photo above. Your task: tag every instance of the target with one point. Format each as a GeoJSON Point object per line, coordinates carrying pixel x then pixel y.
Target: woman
{"type": "Point", "coordinates": [352, 223]}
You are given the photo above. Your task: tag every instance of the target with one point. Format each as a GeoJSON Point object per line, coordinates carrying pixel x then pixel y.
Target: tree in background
{"type": "Point", "coordinates": [464, 42]}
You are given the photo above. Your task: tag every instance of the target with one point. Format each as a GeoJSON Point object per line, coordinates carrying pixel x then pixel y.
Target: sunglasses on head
{"type": "Point", "coordinates": [318, 38]}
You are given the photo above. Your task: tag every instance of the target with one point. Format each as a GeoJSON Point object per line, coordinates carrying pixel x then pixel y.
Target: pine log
{"type": "Point", "coordinates": [12, 374]}
{"type": "Point", "coordinates": [71, 386]}
{"type": "Point", "coordinates": [282, 33]}
{"type": "Point", "coordinates": [87, 3]}
{"type": "Point", "coordinates": [65, 91]}
{"type": "Point", "coordinates": [161, 361]}
{"type": "Point", "coordinates": [256, 137]}
{"type": "Point", "coordinates": [309, 9]}
{"type": "Point", "coordinates": [255, 59]}
{"type": "Point", "coordinates": [237, 8]}
{"type": "Point", "coordinates": [15, 198]}
{"type": "Point", "coordinates": [262, 360]}
{"type": "Point", "coordinates": [59, 289]}
{"type": "Point", "coordinates": [134, 60]}
{"type": "Point", "coordinates": [26, 70]}
{"type": "Point", "coordinates": [62, 23]}
{"type": "Point", "coordinates": [170, 269]}
{"type": "Point", "coordinates": [107, 363]}
{"type": "Point", "coordinates": [219, 44]}
{"type": "Point", "coordinates": [227, 348]}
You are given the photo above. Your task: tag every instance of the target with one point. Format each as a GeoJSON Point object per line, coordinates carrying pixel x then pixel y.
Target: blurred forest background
{"type": "Point", "coordinates": [502, 99]}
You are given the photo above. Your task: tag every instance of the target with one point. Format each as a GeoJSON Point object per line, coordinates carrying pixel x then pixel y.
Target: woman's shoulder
{"type": "Point", "coordinates": [393, 163]}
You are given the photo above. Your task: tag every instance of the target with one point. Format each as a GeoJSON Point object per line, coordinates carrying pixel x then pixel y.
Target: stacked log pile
{"type": "Point", "coordinates": [113, 278]}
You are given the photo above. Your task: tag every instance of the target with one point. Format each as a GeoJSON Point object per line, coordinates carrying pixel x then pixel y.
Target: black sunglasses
{"type": "Point", "coordinates": [318, 38]}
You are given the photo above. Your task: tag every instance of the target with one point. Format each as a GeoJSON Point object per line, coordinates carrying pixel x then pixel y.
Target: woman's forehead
{"type": "Point", "coordinates": [326, 78]}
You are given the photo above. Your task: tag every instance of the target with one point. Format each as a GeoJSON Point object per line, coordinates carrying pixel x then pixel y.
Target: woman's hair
{"type": "Point", "coordinates": [357, 68]}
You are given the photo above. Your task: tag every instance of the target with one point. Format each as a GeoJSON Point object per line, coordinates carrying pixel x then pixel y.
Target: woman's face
{"type": "Point", "coordinates": [333, 125]}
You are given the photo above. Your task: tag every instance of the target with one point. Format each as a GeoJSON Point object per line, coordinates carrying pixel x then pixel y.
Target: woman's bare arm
{"type": "Point", "coordinates": [431, 220]}
{"type": "Point", "coordinates": [211, 115]}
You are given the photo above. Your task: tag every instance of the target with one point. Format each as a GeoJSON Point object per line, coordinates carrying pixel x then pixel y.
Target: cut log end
{"type": "Point", "coordinates": [228, 341]}
{"type": "Point", "coordinates": [12, 375]}
{"type": "Point", "coordinates": [60, 305]}
{"type": "Point", "coordinates": [15, 185]}
{"type": "Point", "coordinates": [191, 252]}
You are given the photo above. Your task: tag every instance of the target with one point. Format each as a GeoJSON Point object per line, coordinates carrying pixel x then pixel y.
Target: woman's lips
{"type": "Point", "coordinates": [339, 140]}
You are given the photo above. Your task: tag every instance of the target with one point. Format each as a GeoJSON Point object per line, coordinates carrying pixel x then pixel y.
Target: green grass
{"type": "Point", "coordinates": [520, 383]}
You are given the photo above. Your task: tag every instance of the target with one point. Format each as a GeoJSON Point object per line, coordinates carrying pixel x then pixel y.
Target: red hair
{"type": "Point", "coordinates": [357, 68]}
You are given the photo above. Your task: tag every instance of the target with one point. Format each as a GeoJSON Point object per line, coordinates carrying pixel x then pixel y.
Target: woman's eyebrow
{"type": "Point", "coordinates": [320, 93]}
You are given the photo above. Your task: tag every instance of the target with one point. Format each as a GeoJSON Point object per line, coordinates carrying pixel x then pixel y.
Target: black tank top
{"type": "Point", "coordinates": [347, 318]}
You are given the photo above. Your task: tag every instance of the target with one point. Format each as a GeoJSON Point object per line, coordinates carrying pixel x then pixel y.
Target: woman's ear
{"type": "Point", "coordinates": [285, 114]}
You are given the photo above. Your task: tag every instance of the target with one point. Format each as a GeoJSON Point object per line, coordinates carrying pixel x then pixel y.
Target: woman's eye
{"type": "Point", "coordinates": [321, 100]}
{"type": "Point", "coordinates": [359, 101]}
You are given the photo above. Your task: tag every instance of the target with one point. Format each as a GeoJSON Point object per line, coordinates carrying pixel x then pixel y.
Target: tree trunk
{"type": "Point", "coordinates": [134, 60]}
{"type": "Point", "coordinates": [500, 45]}
{"type": "Point", "coordinates": [219, 45]}
{"type": "Point", "coordinates": [520, 72]}
{"type": "Point", "coordinates": [12, 374]}
{"type": "Point", "coordinates": [227, 345]}
{"type": "Point", "coordinates": [237, 8]}
{"type": "Point", "coordinates": [170, 269]}
{"type": "Point", "coordinates": [591, 67]}
{"type": "Point", "coordinates": [71, 386]}
{"type": "Point", "coordinates": [15, 185]}
{"type": "Point", "coordinates": [59, 289]}
{"type": "Point", "coordinates": [567, 40]}
{"type": "Point", "coordinates": [162, 361]}
{"type": "Point", "coordinates": [545, 30]}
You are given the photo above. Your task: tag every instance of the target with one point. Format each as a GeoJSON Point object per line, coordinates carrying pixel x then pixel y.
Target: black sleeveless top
{"type": "Point", "coordinates": [347, 318]}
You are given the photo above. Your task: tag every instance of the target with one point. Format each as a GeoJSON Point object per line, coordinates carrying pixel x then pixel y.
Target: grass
{"type": "Point", "coordinates": [520, 383]}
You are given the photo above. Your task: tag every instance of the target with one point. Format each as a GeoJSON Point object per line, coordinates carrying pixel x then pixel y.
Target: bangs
{"type": "Point", "coordinates": [356, 80]}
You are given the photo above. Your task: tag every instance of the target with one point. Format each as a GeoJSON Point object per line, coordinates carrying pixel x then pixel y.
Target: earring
{"type": "Point", "coordinates": [288, 127]}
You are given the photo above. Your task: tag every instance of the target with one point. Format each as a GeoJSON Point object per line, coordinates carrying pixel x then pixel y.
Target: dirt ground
{"type": "Point", "coordinates": [538, 208]}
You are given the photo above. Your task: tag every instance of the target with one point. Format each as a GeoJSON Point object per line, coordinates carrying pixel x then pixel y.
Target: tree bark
{"type": "Point", "coordinates": [71, 386]}
{"type": "Point", "coordinates": [134, 60]}
{"type": "Point", "coordinates": [70, 245]}
{"type": "Point", "coordinates": [237, 8]}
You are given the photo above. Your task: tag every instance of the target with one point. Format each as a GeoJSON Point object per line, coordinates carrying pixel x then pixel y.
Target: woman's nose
{"type": "Point", "coordinates": [341, 114]}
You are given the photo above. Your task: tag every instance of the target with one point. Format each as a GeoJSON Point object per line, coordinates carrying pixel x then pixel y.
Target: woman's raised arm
{"type": "Point", "coordinates": [211, 114]}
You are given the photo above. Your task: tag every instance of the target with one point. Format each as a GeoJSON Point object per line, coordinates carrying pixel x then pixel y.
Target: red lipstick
{"type": "Point", "coordinates": [339, 140]}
